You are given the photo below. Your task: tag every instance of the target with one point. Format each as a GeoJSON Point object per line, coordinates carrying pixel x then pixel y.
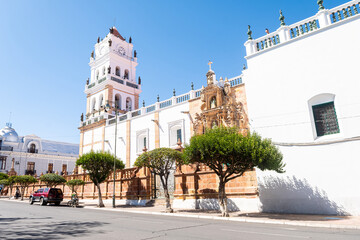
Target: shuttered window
{"type": "Point", "coordinates": [325, 118]}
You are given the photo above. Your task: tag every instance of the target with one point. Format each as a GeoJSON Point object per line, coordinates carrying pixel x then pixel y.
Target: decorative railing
{"type": "Point", "coordinates": [166, 103]}
{"type": "Point", "coordinates": [267, 42]}
{"type": "Point", "coordinates": [304, 27]}
{"type": "Point", "coordinates": [122, 118]}
{"type": "Point", "coordinates": [321, 20]}
{"type": "Point", "coordinates": [101, 80]}
{"type": "Point", "coordinates": [183, 98]}
{"type": "Point", "coordinates": [91, 85]}
{"type": "Point", "coordinates": [6, 148]}
{"type": "Point", "coordinates": [344, 11]}
{"type": "Point", "coordinates": [118, 80]}
{"type": "Point", "coordinates": [197, 93]}
{"type": "Point", "coordinates": [136, 113]}
{"type": "Point", "coordinates": [235, 81]}
{"type": "Point", "coordinates": [151, 108]}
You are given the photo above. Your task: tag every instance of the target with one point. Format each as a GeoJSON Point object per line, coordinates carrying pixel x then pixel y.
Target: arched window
{"type": "Point", "coordinates": [117, 71]}
{"type": "Point", "coordinates": [176, 132]}
{"type": "Point", "coordinates": [126, 74]}
{"type": "Point", "coordinates": [128, 104]}
{"type": "Point", "coordinates": [118, 101]}
{"type": "Point", "coordinates": [93, 105]}
{"type": "Point", "coordinates": [101, 101]}
{"type": "Point", "coordinates": [32, 148]}
{"type": "Point", "coordinates": [213, 102]}
{"type": "Point", "coordinates": [97, 75]}
{"type": "Point", "coordinates": [104, 71]}
{"type": "Point", "coordinates": [142, 140]}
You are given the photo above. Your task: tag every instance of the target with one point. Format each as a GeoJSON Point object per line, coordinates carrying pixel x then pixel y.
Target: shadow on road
{"type": "Point", "coordinates": [36, 228]}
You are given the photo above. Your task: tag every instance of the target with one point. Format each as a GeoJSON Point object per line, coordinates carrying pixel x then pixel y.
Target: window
{"type": "Point", "coordinates": [118, 101]}
{"type": "Point", "coordinates": [128, 104]}
{"type": "Point", "coordinates": [176, 131]}
{"type": "Point", "coordinates": [93, 104]}
{"type": "Point", "coordinates": [50, 168]}
{"type": "Point", "coordinates": [325, 118]}
{"type": "Point", "coordinates": [2, 162]}
{"type": "Point", "coordinates": [30, 169]}
{"type": "Point", "coordinates": [117, 71]}
{"type": "Point", "coordinates": [97, 75]}
{"type": "Point", "coordinates": [142, 140]}
{"type": "Point", "coordinates": [64, 169]}
{"type": "Point", "coordinates": [32, 148]}
{"type": "Point", "coordinates": [126, 74]}
{"type": "Point", "coordinates": [104, 70]}
{"type": "Point", "coordinates": [101, 101]}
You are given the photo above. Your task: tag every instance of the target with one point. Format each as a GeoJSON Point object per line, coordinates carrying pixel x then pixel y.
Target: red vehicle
{"type": "Point", "coordinates": [47, 195]}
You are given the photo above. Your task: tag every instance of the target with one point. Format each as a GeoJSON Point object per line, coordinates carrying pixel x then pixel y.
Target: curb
{"type": "Point", "coordinates": [233, 219]}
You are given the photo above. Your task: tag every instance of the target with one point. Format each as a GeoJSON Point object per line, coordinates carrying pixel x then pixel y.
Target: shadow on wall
{"type": "Point", "coordinates": [292, 195]}
{"type": "Point", "coordinates": [213, 203]}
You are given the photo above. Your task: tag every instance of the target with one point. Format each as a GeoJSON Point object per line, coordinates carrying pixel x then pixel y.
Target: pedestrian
{"type": "Point", "coordinates": [17, 193]}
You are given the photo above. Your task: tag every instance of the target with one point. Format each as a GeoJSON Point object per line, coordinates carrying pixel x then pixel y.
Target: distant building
{"type": "Point", "coordinates": [32, 155]}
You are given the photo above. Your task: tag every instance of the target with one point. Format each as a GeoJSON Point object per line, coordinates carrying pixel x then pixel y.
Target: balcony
{"type": "Point", "coordinates": [6, 148]}
{"type": "Point", "coordinates": [29, 150]}
{"type": "Point", "coordinates": [30, 172]}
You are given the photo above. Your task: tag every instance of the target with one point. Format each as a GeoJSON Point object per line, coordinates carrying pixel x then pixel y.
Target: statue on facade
{"type": "Point", "coordinates": [130, 40]}
{"type": "Point", "coordinates": [98, 40]}
{"type": "Point", "coordinates": [110, 42]}
{"type": "Point", "coordinates": [87, 81]}
{"type": "Point", "coordinates": [135, 54]}
{"type": "Point", "coordinates": [92, 54]}
{"type": "Point", "coordinates": [139, 80]}
{"type": "Point", "coordinates": [109, 69]}
{"type": "Point", "coordinates": [282, 19]}
{"type": "Point", "coordinates": [82, 117]}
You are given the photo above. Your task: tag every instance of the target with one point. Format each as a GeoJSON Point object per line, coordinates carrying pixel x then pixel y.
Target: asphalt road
{"type": "Point", "coordinates": [24, 221]}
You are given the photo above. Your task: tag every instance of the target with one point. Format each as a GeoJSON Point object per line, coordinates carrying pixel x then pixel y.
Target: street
{"type": "Point", "coordinates": [23, 221]}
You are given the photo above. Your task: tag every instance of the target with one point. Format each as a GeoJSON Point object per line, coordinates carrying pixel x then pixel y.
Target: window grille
{"type": "Point", "coordinates": [325, 118]}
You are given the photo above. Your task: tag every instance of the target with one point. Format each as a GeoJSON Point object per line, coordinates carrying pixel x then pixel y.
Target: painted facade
{"type": "Point", "coordinates": [303, 92]}
{"type": "Point", "coordinates": [35, 156]}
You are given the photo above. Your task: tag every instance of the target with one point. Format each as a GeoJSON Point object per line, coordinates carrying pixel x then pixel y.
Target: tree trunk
{"type": "Point", "coordinates": [10, 191]}
{"type": "Point", "coordinates": [22, 191]}
{"type": "Point", "coordinates": [223, 199]}
{"type": "Point", "coordinates": [101, 204]}
{"type": "Point", "coordinates": [167, 195]}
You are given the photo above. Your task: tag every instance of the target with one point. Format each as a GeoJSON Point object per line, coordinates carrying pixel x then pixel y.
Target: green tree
{"type": "Point", "coordinates": [74, 184]}
{"type": "Point", "coordinates": [99, 165]}
{"type": "Point", "coordinates": [52, 180]}
{"type": "Point", "coordinates": [9, 183]}
{"type": "Point", "coordinates": [160, 161]}
{"type": "Point", "coordinates": [24, 181]}
{"type": "Point", "coordinates": [3, 176]}
{"type": "Point", "coordinates": [229, 154]}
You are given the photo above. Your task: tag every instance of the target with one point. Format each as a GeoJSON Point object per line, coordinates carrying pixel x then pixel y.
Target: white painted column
{"type": "Point", "coordinates": [324, 18]}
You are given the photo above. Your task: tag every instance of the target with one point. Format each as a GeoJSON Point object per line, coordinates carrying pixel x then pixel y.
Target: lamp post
{"type": "Point", "coordinates": [107, 108]}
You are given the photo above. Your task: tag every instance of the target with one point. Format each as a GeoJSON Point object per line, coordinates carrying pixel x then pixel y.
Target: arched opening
{"type": "Point", "coordinates": [32, 148]}
{"type": "Point", "coordinates": [101, 101]}
{"type": "Point", "coordinates": [97, 75]}
{"type": "Point", "coordinates": [213, 102]}
{"type": "Point", "coordinates": [93, 105]}
{"type": "Point", "coordinates": [117, 71]}
{"type": "Point", "coordinates": [128, 104]}
{"type": "Point", "coordinates": [104, 71]}
{"type": "Point", "coordinates": [126, 74]}
{"type": "Point", "coordinates": [118, 101]}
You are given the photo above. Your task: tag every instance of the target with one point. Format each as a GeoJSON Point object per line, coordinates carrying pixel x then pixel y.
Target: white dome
{"type": "Point", "coordinates": [9, 134]}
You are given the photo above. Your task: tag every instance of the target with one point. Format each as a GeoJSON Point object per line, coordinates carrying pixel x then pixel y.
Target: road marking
{"type": "Point", "coordinates": [291, 229]}
{"type": "Point", "coordinates": [269, 234]}
{"type": "Point", "coordinates": [145, 220]}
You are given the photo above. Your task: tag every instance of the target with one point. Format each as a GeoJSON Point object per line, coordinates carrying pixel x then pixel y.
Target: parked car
{"type": "Point", "coordinates": [47, 195]}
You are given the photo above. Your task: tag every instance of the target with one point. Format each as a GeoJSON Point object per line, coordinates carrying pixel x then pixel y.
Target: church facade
{"type": "Point", "coordinates": [115, 122]}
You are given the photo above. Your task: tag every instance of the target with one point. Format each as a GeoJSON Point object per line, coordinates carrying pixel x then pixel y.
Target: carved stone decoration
{"type": "Point", "coordinates": [220, 107]}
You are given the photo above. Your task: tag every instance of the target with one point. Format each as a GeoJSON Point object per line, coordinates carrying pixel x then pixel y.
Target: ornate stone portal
{"type": "Point", "coordinates": [220, 106]}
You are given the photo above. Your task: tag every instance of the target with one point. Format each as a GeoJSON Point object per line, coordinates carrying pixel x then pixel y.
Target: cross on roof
{"type": "Point", "coordinates": [210, 62]}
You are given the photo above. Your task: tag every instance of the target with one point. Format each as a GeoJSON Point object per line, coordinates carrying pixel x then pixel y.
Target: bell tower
{"type": "Point", "coordinates": [113, 76]}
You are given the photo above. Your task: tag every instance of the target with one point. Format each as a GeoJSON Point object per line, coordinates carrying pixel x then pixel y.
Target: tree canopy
{"type": "Point", "coordinates": [160, 161]}
{"type": "Point", "coordinates": [229, 154]}
{"type": "Point", "coordinates": [74, 184]}
{"type": "Point", "coordinates": [3, 176]}
{"type": "Point", "coordinates": [24, 181]}
{"type": "Point", "coordinates": [52, 179]}
{"type": "Point", "coordinates": [99, 165]}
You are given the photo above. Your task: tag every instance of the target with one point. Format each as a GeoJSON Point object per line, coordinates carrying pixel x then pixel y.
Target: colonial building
{"type": "Point", "coordinates": [302, 86]}
{"type": "Point", "coordinates": [34, 156]}
{"type": "Point", "coordinates": [114, 121]}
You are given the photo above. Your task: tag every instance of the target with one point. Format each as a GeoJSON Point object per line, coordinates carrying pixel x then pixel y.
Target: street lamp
{"type": "Point", "coordinates": [107, 108]}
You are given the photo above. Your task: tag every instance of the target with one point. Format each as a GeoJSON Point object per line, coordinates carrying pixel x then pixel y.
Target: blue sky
{"type": "Point", "coordinates": [45, 48]}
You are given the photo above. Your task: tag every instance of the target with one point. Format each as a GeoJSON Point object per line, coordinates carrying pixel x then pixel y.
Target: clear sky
{"type": "Point", "coordinates": [45, 49]}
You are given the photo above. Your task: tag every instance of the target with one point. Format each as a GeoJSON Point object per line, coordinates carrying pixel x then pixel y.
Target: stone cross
{"type": "Point", "coordinates": [210, 62]}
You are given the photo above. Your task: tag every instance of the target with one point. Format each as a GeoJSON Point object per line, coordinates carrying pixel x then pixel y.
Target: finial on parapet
{"type": "Point", "coordinates": [210, 62]}
{"type": "Point", "coordinates": [143, 103]}
{"type": "Point", "coordinates": [192, 86]}
{"type": "Point", "coordinates": [244, 67]}
{"type": "Point", "coordinates": [320, 3]}
{"type": "Point", "coordinates": [282, 19]}
{"type": "Point", "coordinates": [92, 54]}
{"type": "Point", "coordinates": [98, 40]}
{"type": "Point", "coordinates": [174, 92]}
{"type": "Point", "coordinates": [249, 32]}
{"type": "Point", "coordinates": [130, 40]}
{"type": "Point", "coordinates": [158, 98]}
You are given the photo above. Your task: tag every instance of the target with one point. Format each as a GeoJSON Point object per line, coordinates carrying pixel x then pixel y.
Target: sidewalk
{"type": "Point", "coordinates": [343, 222]}
{"type": "Point", "coordinates": [323, 221]}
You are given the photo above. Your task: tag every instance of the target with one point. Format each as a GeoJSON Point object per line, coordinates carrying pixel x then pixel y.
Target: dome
{"type": "Point", "coordinates": [9, 134]}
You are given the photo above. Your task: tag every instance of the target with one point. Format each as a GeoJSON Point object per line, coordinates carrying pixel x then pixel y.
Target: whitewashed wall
{"type": "Point", "coordinates": [279, 83]}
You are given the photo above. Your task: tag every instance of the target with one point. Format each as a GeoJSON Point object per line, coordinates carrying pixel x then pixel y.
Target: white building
{"type": "Point", "coordinates": [302, 86]}
{"type": "Point", "coordinates": [32, 155]}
